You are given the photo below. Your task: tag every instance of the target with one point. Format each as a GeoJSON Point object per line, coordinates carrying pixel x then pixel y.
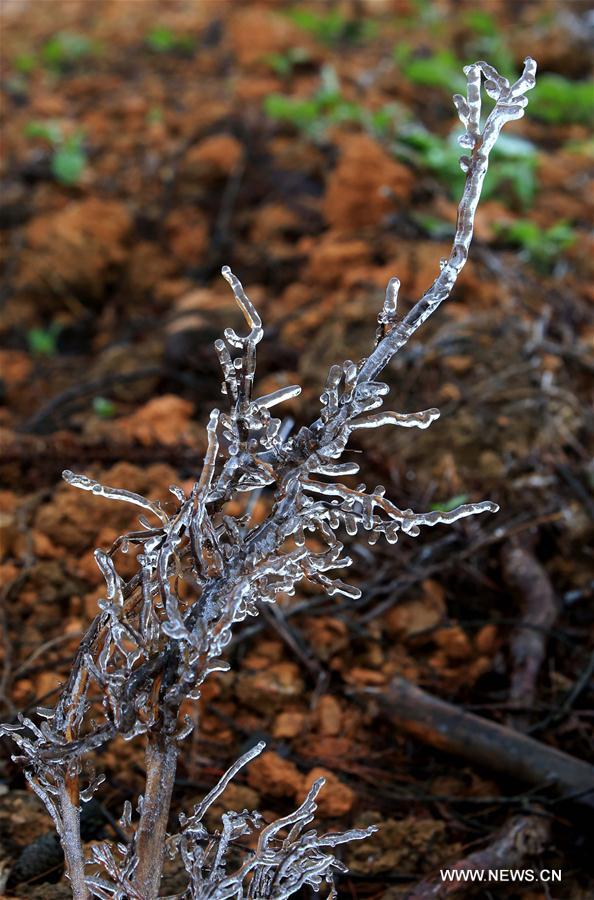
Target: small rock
{"type": "Point", "coordinates": [274, 776]}
{"type": "Point", "coordinates": [268, 690]}
{"type": "Point", "coordinates": [329, 715]}
{"type": "Point", "coordinates": [335, 798]}
{"type": "Point", "coordinates": [289, 724]}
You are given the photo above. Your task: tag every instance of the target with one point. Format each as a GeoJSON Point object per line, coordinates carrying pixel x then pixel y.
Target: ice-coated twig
{"type": "Point", "coordinates": [510, 103]}
{"type": "Point", "coordinates": [206, 566]}
{"type": "Point", "coordinates": [277, 868]}
{"type": "Point", "coordinates": [215, 793]}
{"type": "Point", "coordinates": [101, 490]}
{"type": "Point", "coordinates": [251, 316]}
{"type": "Point", "coordinates": [421, 419]}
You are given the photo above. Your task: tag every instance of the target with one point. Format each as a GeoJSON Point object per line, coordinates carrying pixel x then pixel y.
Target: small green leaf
{"type": "Point", "coordinates": [439, 70]}
{"type": "Point", "coordinates": [480, 22]}
{"type": "Point", "coordinates": [437, 229]}
{"type": "Point", "coordinates": [25, 63]}
{"type": "Point", "coordinates": [558, 100]}
{"type": "Point", "coordinates": [104, 408]}
{"type": "Point", "coordinates": [163, 40]}
{"type": "Point", "coordinates": [452, 503]}
{"type": "Point", "coordinates": [68, 163]}
{"type": "Point", "coordinates": [154, 115]}
{"type": "Point", "coordinates": [333, 27]}
{"type": "Point", "coordinates": [43, 341]}
{"type": "Point", "coordinates": [541, 247]}
{"type": "Point", "coordinates": [49, 131]}
{"type": "Point", "coordinates": [65, 49]}
{"type": "Point", "coordinates": [283, 63]}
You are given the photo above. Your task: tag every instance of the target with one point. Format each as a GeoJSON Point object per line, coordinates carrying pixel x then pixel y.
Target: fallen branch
{"type": "Point", "coordinates": [529, 581]}
{"type": "Point", "coordinates": [484, 743]}
{"type": "Point", "coordinates": [521, 837]}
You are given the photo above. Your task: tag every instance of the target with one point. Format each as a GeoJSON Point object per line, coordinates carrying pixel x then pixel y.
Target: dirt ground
{"type": "Point", "coordinates": [307, 146]}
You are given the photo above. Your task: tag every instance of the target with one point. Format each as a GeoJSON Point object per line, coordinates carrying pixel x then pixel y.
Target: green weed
{"type": "Point", "coordinates": [104, 408]}
{"type": "Point", "coordinates": [435, 228]}
{"type": "Point", "coordinates": [452, 503]}
{"type": "Point", "coordinates": [541, 247]}
{"type": "Point", "coordinates": [25, 63]}
{"type": "Point", "coordinates": [314, 115]}
{"type": "Point", "coordinates": [66, 49]}
{"type": "Point", "coordinates": [488, 42]}
{"type": "Point", "coordinates": [440, 69]}
{"type": "Point", "coordinates": [332, 27]}
{"type": "Point", "coordinates": [163, 40]}
{"type": "Point", "coordinates": [44, 341]}
{"type": "Point", "coordinates": [282, 64]}
{"type": "Point", "coordinates": [69, 158]}
{"type": "Point", "coordinates": [558, 100]}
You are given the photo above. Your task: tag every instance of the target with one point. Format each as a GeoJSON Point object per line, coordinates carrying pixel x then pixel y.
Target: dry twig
{"type": "Point", "coordinates": [484, 743]}
{"type": "Point", "coordinates": [521, 838]}
{"type": "Point", "coordinates": [528, 579]}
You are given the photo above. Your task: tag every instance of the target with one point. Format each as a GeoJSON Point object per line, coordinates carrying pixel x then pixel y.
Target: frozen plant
{"type": "Point", "coordinates": [159, 635]}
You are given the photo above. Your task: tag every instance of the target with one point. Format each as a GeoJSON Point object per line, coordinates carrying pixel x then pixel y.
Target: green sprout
{"type": "Point", "coordinates": [440, 69]}
{"type": "Point", "coordinates": [44, 341]}
{"type": "Point", "coordinates": [488, 42]}
{"type": "Point", "coordinates": [69, 158]}
{"type": "Point", "coordinates": [480, 21]}
{"type": "Point", "coordinates": [66, 49]}
{"type": "Point", "coordinates": [313, 115]}
{"type": "Point", "coordinates": [332, 27]}
{"type": "Point", "coordinates": [326, 107]}
{"type": "Point", "coordinates": [50, 131]}
{"type": "Point", "coordinates": [282, 64]}
{"type": "Point", "coordinates": [163, 40]}
{"type": "Point", "coordinates": [154, 115]}
{"type": "Point", "coordinates": [541, 247]}
{"type": "Point", "coordinates": [425, 13]}
{"type": "Point", "coordinates": [25, 63]}
{"type": "Point", "coordinates": [104, 408]}
{"type": "Point", "coordinates": [437, 229]}
{"type": "Point", "coordinates": [452, 503]}
{"type": "Point", "coordinates": [558, 100]}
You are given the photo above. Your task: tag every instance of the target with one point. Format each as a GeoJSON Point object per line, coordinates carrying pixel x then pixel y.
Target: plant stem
{"type": "Point", "coordinates": [71, 841]}
{"type": "Point", "coordinates": [161, 764]}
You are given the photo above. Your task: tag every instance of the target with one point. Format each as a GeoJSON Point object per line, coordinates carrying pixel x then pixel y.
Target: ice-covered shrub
{"type": "Point", "coordinates": [152, 645]}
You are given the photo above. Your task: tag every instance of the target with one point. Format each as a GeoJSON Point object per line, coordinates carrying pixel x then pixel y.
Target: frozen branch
{"type": "Point", "coordinates": [152, 645]}
{"type": "Point", "coordinates": [510, 103]}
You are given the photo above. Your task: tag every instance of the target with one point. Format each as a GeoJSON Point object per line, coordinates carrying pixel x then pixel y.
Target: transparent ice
{"type": "Point", "coordinates": [152, 646]}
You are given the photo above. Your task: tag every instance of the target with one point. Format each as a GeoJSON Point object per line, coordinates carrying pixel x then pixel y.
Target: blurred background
{"type": "Point", "coordinates": [311, 147]}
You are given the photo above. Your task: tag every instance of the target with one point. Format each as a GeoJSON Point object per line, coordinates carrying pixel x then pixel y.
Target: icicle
{"type": "Point", "coordinates": [251, 316]}
{"type": "Point", "coordinates": [322, 468]}
{"type": "Point", "coordinates": [88, 484]}
{"type": "Point", "coordinates": [408, 420]}
{"type": "Point", "coordinates": [87, 793]}
{"type": "Point", "coordinates": [286, 393]}
{"type": "Point", "coordinates": [389, 312]}
{"type": "Point", "coordinates": [231, 772]}
{"type": "Point", "coordinates": [126, 817]}
{"type": "Point", "coordinates": [112, 579]}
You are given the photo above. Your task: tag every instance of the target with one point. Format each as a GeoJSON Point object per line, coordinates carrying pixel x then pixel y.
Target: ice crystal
{"type": "Point", "coordinates": [152, 645]}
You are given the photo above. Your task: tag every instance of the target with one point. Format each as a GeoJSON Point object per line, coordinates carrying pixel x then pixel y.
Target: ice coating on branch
{"type": "Point", "coordinates": [286, 857]}
{"type": "Point", "coordinates": [201, 570]}
{"type": "Point", "coordinates": [510, 103]}
{"type": "Point", "coordinates": [421, 419]}
{"type": "Point", "coordinates": [101, 490]}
